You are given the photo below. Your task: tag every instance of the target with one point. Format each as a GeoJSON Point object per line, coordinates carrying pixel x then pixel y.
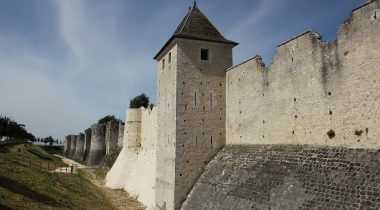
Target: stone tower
{"type": "Point", "coordinates": [191, 105]}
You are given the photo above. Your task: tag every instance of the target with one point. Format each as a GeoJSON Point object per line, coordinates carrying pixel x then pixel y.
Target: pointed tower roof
{"type": "Point", "coordinates": [195, 25]}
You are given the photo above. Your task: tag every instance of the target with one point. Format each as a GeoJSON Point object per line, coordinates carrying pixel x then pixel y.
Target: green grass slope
{"type": "Point", "coordinates": [24, 187]}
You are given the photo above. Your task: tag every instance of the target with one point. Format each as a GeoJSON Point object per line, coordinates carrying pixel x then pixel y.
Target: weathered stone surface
{"type": "Point", "coordinates": [73, 144]}
{"type": "Point", "coordinates": [67, 145]}
{"type": "Point", "coordinates": [98, 147]}
{"type": "Point", "coordinates": [112, 135]}
{"type": "Point", "coordinates": [87, 143]}
{"type": "Point", "coordinates": [120, 139]}
{"type": "Point", "coordinates": [310, 88]}
{"type": "Point", "coordinates": [79, 148]}
{"type": "Point", "coordinates": [135, 167]}
{"type": "Point", "coordinates": [289, 177]}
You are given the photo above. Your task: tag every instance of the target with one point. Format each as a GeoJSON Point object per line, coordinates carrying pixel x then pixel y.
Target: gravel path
{"type": "Point", "coordinates": [119, 198]}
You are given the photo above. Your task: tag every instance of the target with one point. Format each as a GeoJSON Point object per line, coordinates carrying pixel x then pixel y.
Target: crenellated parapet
{"type": "Point", "coordinates": [313, 92]}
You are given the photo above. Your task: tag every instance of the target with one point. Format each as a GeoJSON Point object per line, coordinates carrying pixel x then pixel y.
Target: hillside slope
{"type": "Point", "coordinates": [23, 187]}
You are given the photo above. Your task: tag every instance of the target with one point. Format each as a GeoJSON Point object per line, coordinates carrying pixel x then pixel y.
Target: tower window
{"type": "Point", "coordinates": [163, 63]}
{"type": "Point", "coordinates": [204, 54]}
{"type": "Point", "coordinates": [170, 58]}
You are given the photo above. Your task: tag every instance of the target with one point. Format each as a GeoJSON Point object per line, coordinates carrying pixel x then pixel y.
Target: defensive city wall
{"type": "Point", "coordinates": [135, 167]}
{"type": "Point", "coordinates": [313, 92]}
{"type": "Point", "coordinates": [301, 133]}
{"type": "Point", "coordinates": [95, 143]}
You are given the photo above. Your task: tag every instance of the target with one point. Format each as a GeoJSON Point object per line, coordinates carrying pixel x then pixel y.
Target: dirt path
{"type": "Point", "coordinates": [119, 198]}
{"type": "Point", "coordinates": [69, 162]}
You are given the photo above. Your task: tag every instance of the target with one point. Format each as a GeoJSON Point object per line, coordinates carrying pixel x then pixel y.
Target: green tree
{"type": "Point", "coordinates": [139, 101]}
{"type": "Point", "coordinates": [106, 119]}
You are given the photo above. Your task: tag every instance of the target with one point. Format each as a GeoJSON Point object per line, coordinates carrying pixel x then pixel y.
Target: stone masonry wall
{"type": "Point", "coordinates": [200, 110]}
{"type": "Point", "coordinates": [135, 167]}
{"type": "Point", "coordinates": [312, 88]}
{"type": "Point", "coordinates": [281, 177]}
{"type": "Point", "coordinates": [87, 142]}
{"type": "Point", "coordinates": [67, 145]}
{"type": "Point", "coordinates": [166, 115]}
{"type": "Point", "coordinates": [79, 148]}
{"type": "Point", "coordinates": [112, 136]}
{"type": "Point", "coordinates": [73, 144]}
{"type": "Point", "coordinates": [97, 150]}
{"type": "Point", "coordinates": [120, 139]}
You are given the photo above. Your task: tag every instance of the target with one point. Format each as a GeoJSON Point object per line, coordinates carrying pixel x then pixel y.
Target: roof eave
{"type": "Point", "coordinates": [194, 38]}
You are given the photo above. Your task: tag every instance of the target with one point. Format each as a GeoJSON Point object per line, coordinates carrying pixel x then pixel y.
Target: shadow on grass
{"type": "Point", "coordinates": [3, 207]}
{"type": "Point", "coordinates": [21, 189]}
{"type": "Point", "coordinates": [4, 149]}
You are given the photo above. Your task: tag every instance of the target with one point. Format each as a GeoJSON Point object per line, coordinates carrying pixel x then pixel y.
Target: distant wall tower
{"type": "Point", "coordinates": [191, 105]}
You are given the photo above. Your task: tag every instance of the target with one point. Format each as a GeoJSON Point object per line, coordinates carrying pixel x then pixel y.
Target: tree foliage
{"type": "Point", "coordinates": [139, 101]}
{"type": "Point", "coordinates": [106, 119]}
{"type": "Point", "coordinates": [10, 128]}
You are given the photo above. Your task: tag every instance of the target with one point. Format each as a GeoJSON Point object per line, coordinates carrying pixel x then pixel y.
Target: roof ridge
{"type": "Point", "coordinates": [187, 18]}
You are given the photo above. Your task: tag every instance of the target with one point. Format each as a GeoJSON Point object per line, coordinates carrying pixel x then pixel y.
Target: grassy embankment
{"type": "Point", "coordinates": [24, 187]}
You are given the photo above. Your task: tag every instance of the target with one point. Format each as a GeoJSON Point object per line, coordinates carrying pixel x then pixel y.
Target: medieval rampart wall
{"type": "Point", "coordinates": [135, 167]}
{"type": "Point", "coordinates": [312, 88]}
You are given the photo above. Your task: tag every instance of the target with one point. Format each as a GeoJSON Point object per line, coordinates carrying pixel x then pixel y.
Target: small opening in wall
{"type": "Point", "coordinates": [263, 136]}
{"type": "Point", "coordinates": [185, 133]}
{"type": "Point", "coordinates": [375, 15]}
{"type": "Point", "coordinates": [330, 112]}
{"type": "Point", "coordinates": [201, 83]}
{"type": "Point", "coordinates": [220, 133]}
{"type": "Point", "coordinates": [183, 83]}
{"type": "Point", "coordinates": [221, 109]}
{"type": "Point", "coordinates": [204, 108]}
{"type": "Point", "coordinates": [220, 118]}
{"type": "Point", "coordinates": [183, 145]}
{"type": "Point", "coordinates": [292, 58]}
{"type": "Point", "coordinates": [204, 54]}
{"type": "Point", "coordinates": [203, 120]}
{"type": "Point", "coordinates": [220, 96]}
{"type": "Point", "coordinates": [203, 133]}
{"type": "Point", "coordinates": [170, 57]}
{"type": "Point", "coordinates": [240, 112]}
{"type": "Point", "coordinates": [187, 161]}
{"type": "Point", "coordinates": [180, 174]}
{"type": "Point", "coordinates": [241, 136]}
{"type": "Point", "coordinates": [220, 84]}
{"type": "Point", "coordinates": [263, 94]}
{"type": "Point", "coordinates": [366, 131]}
{"type": "Point", "coordinates": [163, 63]}
{"type": "Point", "coordinates": [292, 132]}
{"type": "Point", "coordinates": [184, 120]}
{"type": "Point", "coordinates": [200, 69]}
{"type": "Point", "coordinates": [182, 93]}
{"type": "Point", "coordinates": [263, 121]}
{"type": "Point", "coordinates": [294, 99]}
{"type": "Point", "coordinates": [295, 116]}
{"type": "Point", "coordinates": [195, 98]}
{"type": "Point", "coordinates": [329, 93]}
{"type": "Point", "coordinates": [210, 99]}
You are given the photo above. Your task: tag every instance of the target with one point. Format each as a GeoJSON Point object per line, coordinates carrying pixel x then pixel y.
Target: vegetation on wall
{"type": "Point", "coordinates": [106, 119]}
{"type": "Point", "coordinates": [139, 101]}
{"type": "Point", "coordinates": [331, 133]}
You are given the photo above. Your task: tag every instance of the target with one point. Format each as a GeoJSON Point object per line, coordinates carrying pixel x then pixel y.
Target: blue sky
{"type": "Point", "coordinates": [66, 63]}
